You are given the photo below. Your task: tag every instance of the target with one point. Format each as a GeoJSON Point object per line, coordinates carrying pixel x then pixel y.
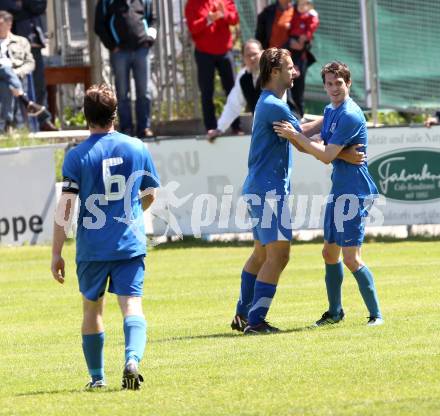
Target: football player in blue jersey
{"type": "Point", "coordinates": [266, 188]}
{"type": "Point", "coordinates": [114, 177]}
{"type": "Point", "coordinates": [352, 193]}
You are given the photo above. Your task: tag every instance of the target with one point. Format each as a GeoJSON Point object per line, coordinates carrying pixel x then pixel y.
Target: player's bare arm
{"type": "Point", "coordinates": [324, 153]}
{"type": "Point", "coordinates": [317, 148]}
{"type": "Point", "coordinates": [147, 197]}
{"type": "Point", "coordinates": [62, 223]}
{"type": "Point", "coordinates": [311, 128]}
{"type": "Point", "coordinates": [352, 155]}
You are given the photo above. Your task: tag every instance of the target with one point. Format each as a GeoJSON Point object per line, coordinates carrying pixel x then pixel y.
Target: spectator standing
{"type": "Point", "coordinates": [246, 89]}
{"type": "Point", "coordinates": [16, 61]}
{"type": "Point", "coordinates": [303, 25]}
{"type": "Point", "coordinates": [208, 22]}
{"type": "Point", "coordinates": [273, 27]}
{"type": "Point", "coordinates": [273, 24]}
{"type": "Point", "coordinates": [127, 30]}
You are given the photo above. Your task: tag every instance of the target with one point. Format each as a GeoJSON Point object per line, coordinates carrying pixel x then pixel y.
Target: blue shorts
{"type": "Point", "coordinates": [343, 226]}
{"type": "Point", "coordinates": [126, 277]}
{"type": "Point", "coordinates": [272, 220]}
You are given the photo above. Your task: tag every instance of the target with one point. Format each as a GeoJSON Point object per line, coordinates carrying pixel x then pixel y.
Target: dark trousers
{"type": "Point", "coordinates": [297, 91]}
{"type": "Point", "coordinates": [206, 66]}
{"type": "Point", "coordinates": [137, 63]}
{"type": "Point", "coordinates": [38, 77]}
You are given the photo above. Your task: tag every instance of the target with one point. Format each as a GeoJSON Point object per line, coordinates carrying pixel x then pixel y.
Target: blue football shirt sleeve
{"type": "Point", "coordinates": [150, 180]}
{"type": "Point", "coordinates": [295, 123]}
{"type": "Point", "coordinates": [71, 168]}
{"type": "Point", "coordinates": [283, 113]}
{"type": "Point", "coordinates": [71, 173]}
{"type": "Point", "coordinates": [347, 129]}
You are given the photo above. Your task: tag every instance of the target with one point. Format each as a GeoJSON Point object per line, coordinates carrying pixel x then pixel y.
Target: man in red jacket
{"type": "Point", "coordinates": [208, 22]}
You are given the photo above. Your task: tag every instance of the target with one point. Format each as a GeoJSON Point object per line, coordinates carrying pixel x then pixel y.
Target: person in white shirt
{"type": "Point", "coordinates": [245, 92]}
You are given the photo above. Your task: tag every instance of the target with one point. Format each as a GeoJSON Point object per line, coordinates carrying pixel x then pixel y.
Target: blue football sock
{"type": "Point", "coordinates": [246, 293]}
{"type": "Point", "coordinates": [93, 348]}
{"type": "Point", "coordinates": [135, 331]}
{"type": "Point", "coordinates": [365, 282]}
{"type": "Point", "coordinates": [334, 274]}
{"type": "Point", "coordinates": [263, 295]}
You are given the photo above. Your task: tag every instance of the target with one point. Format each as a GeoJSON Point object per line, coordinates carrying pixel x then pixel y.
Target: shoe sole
{"type": "Point", "coordinates": [260, 333]}
{"type": "Point", "coordinates": [98, 387]}
{"type": "Point", "coordinates": [377, 324]}
{"type": "Point", "coordinates": [327, 323]}
{"type": "Point", "coordinates": [131, 381]}
{"type": "Point", "coordinates": [315, 325]}
{"type": "Point", "coordinates": [236, 327]}
{"type": "Point", "coordinates": [254, 332]}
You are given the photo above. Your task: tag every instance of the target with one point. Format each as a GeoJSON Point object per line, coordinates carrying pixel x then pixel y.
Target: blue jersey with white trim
{"type": "Point", "coordinates": [270, 157]}
{"type": "Point", "coordinates": [344, 126]}
{"type": "Point", "coordinates": [108, 171]}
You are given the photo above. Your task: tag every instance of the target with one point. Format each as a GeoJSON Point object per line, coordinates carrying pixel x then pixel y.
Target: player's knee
{"type": "Point", "coordinates": [282, 258]}
{"type": "Point", "coordinates": [352, 262]}
{"type": "Point", "coordinates": [131, 305]}
{"type": "Point", "coordinates": [93, 308]}
{"type": "Point", "coordinates": [329, 257]}
{"type": "Point", "coordinates": [259, 257]}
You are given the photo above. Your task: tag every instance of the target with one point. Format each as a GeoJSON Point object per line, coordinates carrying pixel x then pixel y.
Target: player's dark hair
{"type": "Point", "coordinates": [271, 59]}
{"type": "Point", "coordinates": [6, 16]}
{"type": "Point", "coordinates": [100, 105]}
{"type": "Point", "coordinates": [339, 69]}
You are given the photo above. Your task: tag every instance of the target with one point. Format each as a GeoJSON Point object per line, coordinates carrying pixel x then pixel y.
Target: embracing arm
{"type": "Point", "coordinates": [325, 154]}
{"type": "Point", "coordinates": [317, 148]}
{"type": "Point", "coordinates": [311, 128]}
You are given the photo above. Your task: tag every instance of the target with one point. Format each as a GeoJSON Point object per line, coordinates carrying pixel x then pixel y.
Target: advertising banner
{"type": "Point", "coordinates": [27, 203]}
{"type": "Point", "coordinates": [405, 164]}
{"type": "Point", "coordinates": [202, 182]}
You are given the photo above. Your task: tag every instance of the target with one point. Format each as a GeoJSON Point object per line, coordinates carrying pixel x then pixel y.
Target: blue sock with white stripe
{"type": "Point", "coordinates": [135, 331]}
{"type": "Point", "coordinates": [93, 348]}
{"type": "Point", "coordinates": [263, 295]}
{"type": "Point", "coordinates": [365, 282]}
{"type": "Point", "coordinates": [334, 275]}
{"type": "Point", "coordinates": [246, 293]}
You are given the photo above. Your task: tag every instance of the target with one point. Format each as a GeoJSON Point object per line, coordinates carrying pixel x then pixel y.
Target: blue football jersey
{"type": "Point", "coordinates": [109, 170]}
{"type": "Point", "coordinates": [270, 157]}
{"type": "Point", "coordinates": [345, 126]}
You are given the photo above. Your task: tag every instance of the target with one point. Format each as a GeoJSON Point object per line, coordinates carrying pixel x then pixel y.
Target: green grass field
{"type": "Point", "coordinates": [195, 365]}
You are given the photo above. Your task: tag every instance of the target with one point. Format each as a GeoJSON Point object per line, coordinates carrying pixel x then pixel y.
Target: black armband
{"type": "Point", "coordinates": [70, 186]}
